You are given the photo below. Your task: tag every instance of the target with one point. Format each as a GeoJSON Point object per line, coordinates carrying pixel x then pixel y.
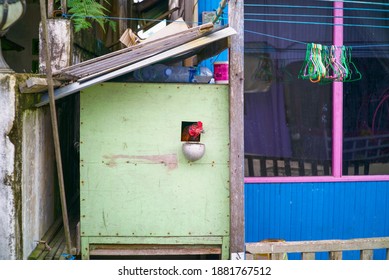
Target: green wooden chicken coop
{"type": "Point", "coordinates": [139, 194]}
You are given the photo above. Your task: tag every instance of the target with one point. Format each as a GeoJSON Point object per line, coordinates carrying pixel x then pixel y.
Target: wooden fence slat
{"type": "Point", "coordinates": [308, 256]}
{"type": "Point", "coordinates": [278, 250]}
{"type": "Point", "coordinates": [318, 245]}
{"type": "Point", "coordinates": [366, 254]}
{"type": "Point", "coordinates": [336, 255]}
{"type": "Point", "coordinates": [277, 256]}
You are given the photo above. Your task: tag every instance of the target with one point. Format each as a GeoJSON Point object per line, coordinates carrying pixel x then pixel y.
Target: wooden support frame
{"type": "Point", "coordinates": [236, 79]}
{"type": "Point", "coordinates": [153, 246]}
{"type": "Point", "coordinates": [308, 248]}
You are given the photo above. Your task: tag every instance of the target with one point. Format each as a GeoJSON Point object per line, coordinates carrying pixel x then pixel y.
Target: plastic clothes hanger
{"type": "Point", "coordinates": [318, 61]}
{"type": "Point", "coordinates": [303, 74]}
{"type": "Point", "coordinates": [340, 71]}
{"type": "Point", "coordinates": [354, 74]}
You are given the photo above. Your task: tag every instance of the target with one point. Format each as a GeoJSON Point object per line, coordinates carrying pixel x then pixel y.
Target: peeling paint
{"type": "Point", "coordinates": [7, 151]}
{"type": "Point", "coordinates": [169, 160]}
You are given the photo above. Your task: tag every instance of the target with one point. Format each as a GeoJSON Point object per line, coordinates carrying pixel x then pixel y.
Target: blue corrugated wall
{"type": "Point", "coordinates": [316, 211]}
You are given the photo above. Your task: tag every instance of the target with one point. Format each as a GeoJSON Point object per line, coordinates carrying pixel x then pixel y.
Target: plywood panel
{"type": "Point", "coordinates": [135, 180]}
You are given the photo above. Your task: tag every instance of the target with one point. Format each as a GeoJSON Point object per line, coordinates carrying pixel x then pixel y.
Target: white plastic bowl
{"type": "Point", "coordinates": [193, 151]}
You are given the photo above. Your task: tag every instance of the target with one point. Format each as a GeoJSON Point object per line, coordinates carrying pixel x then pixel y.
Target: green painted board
{"type": "Point", "coordinates": [135, 180]}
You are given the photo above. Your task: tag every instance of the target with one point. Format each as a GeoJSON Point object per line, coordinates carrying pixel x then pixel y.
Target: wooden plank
{"type": "Point", "coordinates": [336, 255]}
{"type": "Point", "coordinates": [157, 205]}
{"type": "Point", "coordinates": [277, 256]}
{"type": "Point", "coordinates": [60, 251]}
{"type": "Point", "coordinates": [366, 254]}
{"type": "Point", "coordinates": [50, 8]}
{"type": "Point", "coordinates": [183, 240]}
{"type": "Point", "coordinates": [308, 256]}
{"type": "Point", "coordinates": [36, 85]}
{"type": "Point", "coordinates": [49, 235]}
{"type": "Point", "coordinates": [122, 16]}
{"type": "Point", "coordinates": [55, 245]}
{"type": "Point", "coordinates": [236, 79]}
{"type": "Point", "coordinates": [318, 246]}
{"type": "Point", "coordinates": [156, 250]}
{"type": "Point", "coordinates": [39, 249]}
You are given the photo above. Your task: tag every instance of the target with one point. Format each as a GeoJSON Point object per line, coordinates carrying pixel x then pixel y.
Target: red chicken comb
{"type": "Point", "coordinates": [196, 129]}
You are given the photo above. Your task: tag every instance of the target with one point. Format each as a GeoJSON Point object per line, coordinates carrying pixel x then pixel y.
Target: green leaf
{"type": "Point", "coordinates": [83, 12]}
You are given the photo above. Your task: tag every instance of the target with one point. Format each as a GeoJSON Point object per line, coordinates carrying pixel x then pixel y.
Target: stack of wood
{"type": "Point", "coordinates": [52, 246]}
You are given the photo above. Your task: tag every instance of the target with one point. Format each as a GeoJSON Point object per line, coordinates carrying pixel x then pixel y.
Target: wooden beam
{"type": "Point", "coordinates": [123, 16]}
{"type": "Point", "coordinates": [236, 78]}
{"type": "Point", "coordinates": [336, 255]}
{"type": "Point", "coordinates": [153, 249]}
{"type": "Point", "coordinates": [50, 8]}
{"type": "Point", "coordinates": [366, 254]}
{"type": "Point", "coordinates": [54, 123]}
{"type": "Point", "coordinates": [308, 256]}
{"type": "Point", "coordinates": [318, 246]}
{"type": "Point", "coordinates": [43, 244]}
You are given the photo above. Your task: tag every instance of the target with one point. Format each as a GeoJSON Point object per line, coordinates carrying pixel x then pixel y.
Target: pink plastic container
{"type": "Point", "coordinates": [220, 72]}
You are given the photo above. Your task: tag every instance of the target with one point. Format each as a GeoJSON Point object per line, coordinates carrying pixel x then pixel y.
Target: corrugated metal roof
{"type": "Point", "coordinates": [121, 62]}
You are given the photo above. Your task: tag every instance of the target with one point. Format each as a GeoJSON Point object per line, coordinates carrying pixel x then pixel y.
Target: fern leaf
{"type": "Point", "coordinates": [85, 11]}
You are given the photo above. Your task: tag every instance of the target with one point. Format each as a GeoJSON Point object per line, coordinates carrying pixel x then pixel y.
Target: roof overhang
{"type": "Point", "coordinates": [123, 66]}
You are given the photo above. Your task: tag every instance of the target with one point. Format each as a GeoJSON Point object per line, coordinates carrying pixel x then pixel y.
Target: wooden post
{"type": "Point", "coordinates": [64, 6]}
{"type": "Point", "coordinates": [336, 255]}
{"type": "Point", "coordinates": [122, 5]}
{"type": "Point", "coordinates": [308, 256]}
{"type": "Point", "coordinates": [50, 8]}
{"type": "Point", "coordinates": [55, 126]}
{"type": "Point", "coordinates": [366, 254]}
{"type": "Point", "coordinates": [235, 18]}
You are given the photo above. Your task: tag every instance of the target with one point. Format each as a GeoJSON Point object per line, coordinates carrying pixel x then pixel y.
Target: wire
{"type": "Point", "coordinates": [304, 43]}
{"type": "Point", "coordinates": [317, 16]}
{"type": "Point", "coordinates": [276, 37]}
{"type": "Point", "coordinates": [356, 2]}
{"type": "Point", "coordinates": [314, 7]}
{"type": "Point", "coordinates": [318, 23]}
